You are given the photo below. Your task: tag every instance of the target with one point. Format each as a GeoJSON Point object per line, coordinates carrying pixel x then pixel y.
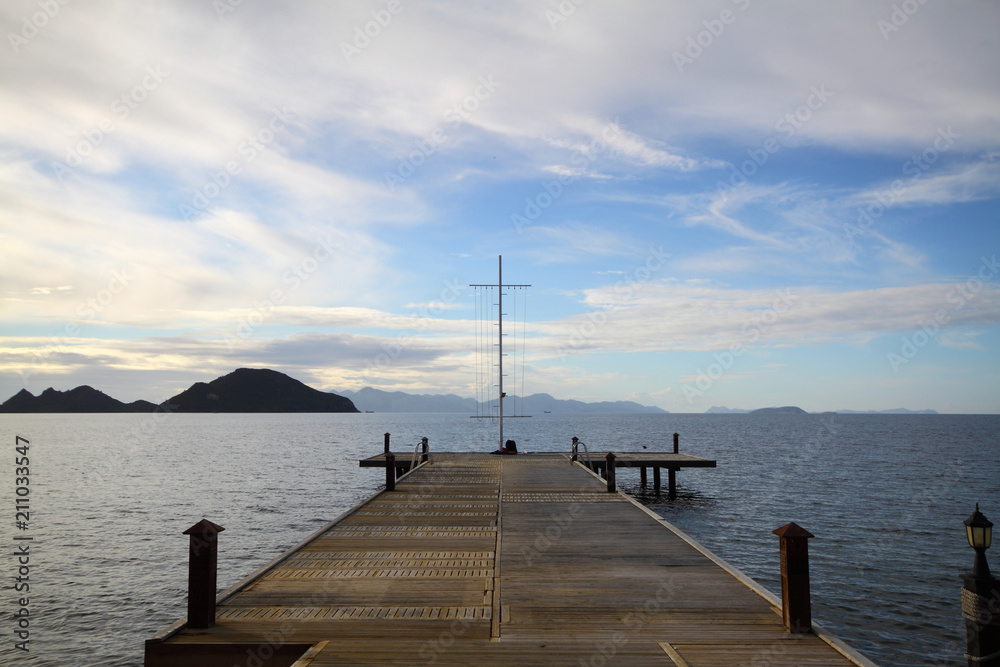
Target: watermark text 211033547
{"type": "Point", "coordinates": [21, 551]}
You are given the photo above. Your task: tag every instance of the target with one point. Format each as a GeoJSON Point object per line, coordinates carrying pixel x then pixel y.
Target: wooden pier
{"type": "Point", "coordinates": [596, 462]}
{"type": "Point", "coordinates": [498, 560]}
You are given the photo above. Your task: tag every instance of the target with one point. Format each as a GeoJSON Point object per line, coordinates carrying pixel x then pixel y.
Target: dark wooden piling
{"type": "Point", "coordinates": [390, 472]}
{"type": "Point", "coordinates": [796, 609]}
{"type": "Point", "coordinates": [609, 472]}
{"type": "Point", "coordinates": [672, 472]}
{"type": "Point", "coordinates": [656, 479]}
{"type": "Point", "coordinates": [642, 476]}
{"type": "Point", "coordinates": [386, 443]}
{"type": "Point", "coordinates": [423, 449]}
{"type": "Point", "coordinates": [202, 573]}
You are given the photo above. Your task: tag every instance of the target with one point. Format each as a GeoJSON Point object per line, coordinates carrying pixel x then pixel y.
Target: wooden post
{"type": "Point", "coordinates": [423, 448]}
{"type": "Point", "coordinates": [386, 443]}
{"type": "Point", "coordinates": [642, 476]}
{"type": "Point", "coordinates": [202, 573]}
{"type": "Point", "coordinates": [390, 472]}
{"type": "Point", "coordinates": [672, 472]}
{"type": "Point", "coordinates": [609, 472]}
{"type": "Point", "coordinates": [796, 609]}
{"type": "Point", "coordinates": [980, 594]}
{"type": "Point", "coordinates": [656, 479]}
{"type": "Point", "coordinates": [575, 447]}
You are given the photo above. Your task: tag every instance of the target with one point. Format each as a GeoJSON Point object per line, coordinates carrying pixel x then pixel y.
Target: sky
{"type": "Point", "coordinates": [739, 203]}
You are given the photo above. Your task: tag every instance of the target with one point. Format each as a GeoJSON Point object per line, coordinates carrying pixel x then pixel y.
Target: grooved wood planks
{"type": "Point", "coordinates": [490, 560]}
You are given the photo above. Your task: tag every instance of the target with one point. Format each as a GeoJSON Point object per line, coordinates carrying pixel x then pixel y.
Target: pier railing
{"type": "Point", "coordinates": [576, 451]}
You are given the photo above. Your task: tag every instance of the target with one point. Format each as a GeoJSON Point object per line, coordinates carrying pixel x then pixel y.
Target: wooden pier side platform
{"type": "Point", "coordinates": [497, 560]}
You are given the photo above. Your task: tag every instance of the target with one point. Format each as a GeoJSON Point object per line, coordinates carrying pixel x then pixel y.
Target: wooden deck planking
{"type": "Point", "coordinates": [582, 577]}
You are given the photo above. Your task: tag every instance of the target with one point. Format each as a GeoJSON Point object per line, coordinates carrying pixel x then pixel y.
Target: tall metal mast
{"type": "Point", "coordinates": [501, 394]}
{"type": "Point", "coordinates": [500, 343]}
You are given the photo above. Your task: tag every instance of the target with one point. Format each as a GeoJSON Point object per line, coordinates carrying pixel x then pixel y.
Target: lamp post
{"type": "Point", "coordinates": [979, 531]}
{"type": "Point", "coordinates": [981, 598]}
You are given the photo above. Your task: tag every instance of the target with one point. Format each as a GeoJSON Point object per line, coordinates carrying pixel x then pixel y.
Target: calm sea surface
{"type": "Point", "coordinates": [111, 494]}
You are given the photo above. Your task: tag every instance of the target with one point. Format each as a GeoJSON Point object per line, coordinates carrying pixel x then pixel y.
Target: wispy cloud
{"type": "Point", "coordinates": [574, 242]}
{"type": "Point", "coordinates": [959, 184]}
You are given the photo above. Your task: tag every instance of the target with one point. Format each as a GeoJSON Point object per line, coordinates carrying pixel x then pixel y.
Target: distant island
{"type": "Point", "coordinates": [265, 390]}
{"type": "Point", "coordinates": [243, 390]}
{"type": "Point", "coordinates": [894, 411]}
{"type": "Point", "coordinates": [256, 390]}
{"type": "Point", "coordinates": [376, 400]}
{"type": "Point", "coordinates": [81, 399]}
{"type": "Point", "coordinates": [791, 409]}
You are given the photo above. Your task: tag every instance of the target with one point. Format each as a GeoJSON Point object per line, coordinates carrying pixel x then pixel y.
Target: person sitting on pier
{"type": "Point", "coordinates": [509, 447]}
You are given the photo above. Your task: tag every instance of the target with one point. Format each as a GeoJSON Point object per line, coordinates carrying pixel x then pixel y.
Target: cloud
{"type": "Point", "coordinates": [959, 184]}
{"type": "Point", "coordinates": [665, 315]}
{"type": "Point", "coordinates": [718, 212]}
{"type": "Point", "coordinates": [961, 340]}
{"type": "Point", "coordinates": [574, 242]}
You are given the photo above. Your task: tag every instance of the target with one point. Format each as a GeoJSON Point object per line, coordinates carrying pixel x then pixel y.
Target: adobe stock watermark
{"type": "Point", "coordinates": [566, 9]}
{"type": "Point", "coordinates": [772, 655]}
{"type": "Point", "coordinates": [259, 654]}
{"type": "Point", "coordinates": [21, 548]}
{"type": "Point", "coordinates": [915, 167]}
{"type": "Point", "coordinates": [293, 277]}
{"type": "Point", "coordinates": [248, 150]}
{"type": "Point", "coordinates": [552, 190]}
{"type": "Point", "coordinates": [901, 13]}
{"type": "Point", "coordinates": [381, 20]}
{"type": "Point", "coordinates": [433, 648]}
{"type": "Point", "coordinates": [223, 7]}
{"type": "Point", "coordinates": [121, 108]}
{"type": "Point", "coordinates": [552, 533]}
{"type": "Point", "coordinates": [450, 293]}
{"type": "Point", "coordinates": [958, 297]}
{"type": "Point", "coordinates": [633, 621]}
{"type": "Point", "coordinates": [697, 43]}
{"type": "Point", "coordinates": [31, 25]}
{"type": "Point", "coordinates": [787, 125]}
{"type": "Point", "coordinates": [625, 290]}
{"type": "Point", "coordinates": [751, 332]}
{"type": "Point", "coordinates": [88, 309]}
{"type": "Point", "coordinates": [113, 466]}
{"type": "Point", "coordinates": [453, 117]}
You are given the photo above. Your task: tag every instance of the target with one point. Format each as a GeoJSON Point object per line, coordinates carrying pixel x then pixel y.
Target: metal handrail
{"type": "Point", "coordinates": [576, 443]}
{"type": "Point", "coordinates": [423, 444]}
{"type": "Point", "coordinates": [413, 459]}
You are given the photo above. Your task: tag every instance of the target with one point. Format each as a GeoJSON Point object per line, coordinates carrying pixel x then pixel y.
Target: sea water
{"type": "Point", "coordinates": [110, 495]}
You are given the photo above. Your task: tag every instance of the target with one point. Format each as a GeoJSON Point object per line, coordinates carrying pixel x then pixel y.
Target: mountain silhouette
{"type": "Point", "coordinates": [82, 399]}
{"type": "Point", "coordinates": [377, 400]}
{"type": "Point", "coordinates": [256, 390]}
